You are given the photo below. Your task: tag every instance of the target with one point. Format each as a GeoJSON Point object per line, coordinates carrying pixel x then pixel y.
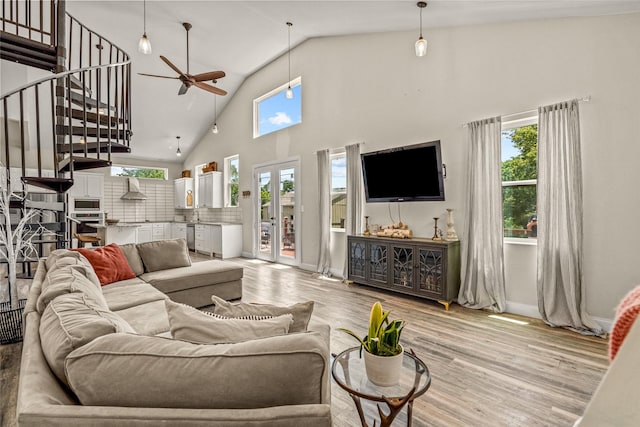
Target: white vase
{"type": "Point", "coordinates": [451, 232]}
{"type": "Point", "coordinates": [383, 370]}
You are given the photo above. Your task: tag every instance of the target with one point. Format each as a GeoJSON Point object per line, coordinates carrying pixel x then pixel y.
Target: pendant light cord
{"type": "Point", "coordinates": [421, 22]}
{"type": "Point", "coordinates": [144, 25]}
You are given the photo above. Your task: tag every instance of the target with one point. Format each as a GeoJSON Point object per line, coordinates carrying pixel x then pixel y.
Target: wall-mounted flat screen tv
{"type": "Point", "coordinates": [405, 174]}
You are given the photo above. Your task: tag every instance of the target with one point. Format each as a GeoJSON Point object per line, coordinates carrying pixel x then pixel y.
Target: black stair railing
{"type": "Point", "coordinates": [76, 118]}
{"type": "Point", "coordinates": [34, 20]}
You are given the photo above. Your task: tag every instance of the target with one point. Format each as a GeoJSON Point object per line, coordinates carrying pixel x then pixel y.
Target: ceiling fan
{"type": "Point", "coordinates": [189, 80]}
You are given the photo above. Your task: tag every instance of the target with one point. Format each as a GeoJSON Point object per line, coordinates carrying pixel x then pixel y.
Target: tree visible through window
{"type": "Point", "coordinates": [139, 172]}
{"type": "Point", "coordinates": [232, 178]}
{"type": "Point", "coordinates": [338, 190]}
{"type": "Point", "coordinates": [519, 179]}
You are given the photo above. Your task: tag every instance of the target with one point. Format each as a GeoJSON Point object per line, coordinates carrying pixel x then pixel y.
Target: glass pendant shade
{"type": "Point", "coordinates": [421, 47]}
{"type": "Point", "coordinates": [289, 93]}
{"type": "Point", "coordinates": [144, 45]}
{"type": "Point", "coordinates": [178, 152]}
{"type": "Point", "coordinates": [215, 128]}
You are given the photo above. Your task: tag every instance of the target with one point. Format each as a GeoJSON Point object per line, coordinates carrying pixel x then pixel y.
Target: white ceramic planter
{"type": "Point", "coordinates": [383, 370]}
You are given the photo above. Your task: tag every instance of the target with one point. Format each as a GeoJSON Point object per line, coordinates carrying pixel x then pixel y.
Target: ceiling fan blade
{"type": "Point", "coordinates": [211, 75]}
{"type": "Point", "coordinates": [183, 89]}
{"type": "Point", "coordinates": [210, 88]}
{"type": "Point", "coordinates": [154, 75]}
{"type": "Point", "coordinates": [173, 67]}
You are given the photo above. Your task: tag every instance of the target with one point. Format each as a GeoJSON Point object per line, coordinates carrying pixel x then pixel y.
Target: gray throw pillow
{"type": "Point", "coordinates": [164, 254]}
{"type": "Point", "coordinates": [301, 312]}
{"type": "Point", "coordinates": [193, 325]}
{"type": "Point", "coordinates": [133, 258]}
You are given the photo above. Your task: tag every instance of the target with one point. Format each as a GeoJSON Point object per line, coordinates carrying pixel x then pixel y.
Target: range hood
{"type": "Point", "coordinates": [134, 191]}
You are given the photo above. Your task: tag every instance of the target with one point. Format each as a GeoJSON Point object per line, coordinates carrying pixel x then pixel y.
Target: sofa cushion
{"type": "Point", "coordinates": [190, 324]}
{"type": "Point", "coordinates": [66, 280]}
{"type": "Point", "coordinates": [146, 319]}
{"type": "Point", "coordinates": [164, 254]}
{"type": "Point", "coordinates": [61, 258]}
{"type": "Point", "coordinates": [151, 372]}
{"type": "Point", "coordinates": [133, 257]}
{"type": "Point", "coordinates": [198, 275]}
{"type": "Point", "coordinates": [129, 293]}
{"type": "Point", "coordinates": [109, 263]}
{"type": "Point", "coordinates": [301, 312]}
{"type": "Point", "coordinates": [71, 321]}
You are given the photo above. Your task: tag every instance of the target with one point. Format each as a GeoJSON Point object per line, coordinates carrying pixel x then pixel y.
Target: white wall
{"type": "Point", "coordinates": [372, 88]}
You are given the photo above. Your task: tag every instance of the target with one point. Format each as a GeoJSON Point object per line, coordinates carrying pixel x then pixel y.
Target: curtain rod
{"type": "Point", "coordinates": [583, 99]}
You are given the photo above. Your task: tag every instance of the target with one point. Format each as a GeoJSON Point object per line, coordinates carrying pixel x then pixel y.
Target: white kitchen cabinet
{"type": "Point", "coordinates": [210, 194]}
{"type": "Point", "coordinates": [183, 195]}
{"type": "Point", "coordinates": [120, 235]}
{"type": "Point", "coordinates": [203, 239]}
{"type": "Point", "coordinates": [145, 233]}
{"type": "Point", "coordinates": [178, 231]}
{"type": "Point", "coordinates": [87, 186]}
{"type": "Point", "coordinates": [221, 240]}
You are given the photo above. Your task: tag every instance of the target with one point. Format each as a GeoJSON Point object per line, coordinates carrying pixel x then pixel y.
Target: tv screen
{"type": "Point", "coordinates": [405, 174]}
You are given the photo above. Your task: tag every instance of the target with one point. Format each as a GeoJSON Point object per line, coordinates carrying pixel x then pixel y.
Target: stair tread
{"type": "Point", "coordinates": [82, 163]}
{"type": "Point", "coordinates": [59, 185]}
{"type": "Point", "coordinates": [79, 99]}
{"type": "Point", "coordinates": [91, 132]}
{"type": "Point", "coordinates": [91, 117]}
{"type": "Point", "coordinates": [92, 147]}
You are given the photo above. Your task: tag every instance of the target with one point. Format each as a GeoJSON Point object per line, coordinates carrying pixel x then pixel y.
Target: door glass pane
{"type": "Point", "coordinates": [287, 209]}
{"type": "Point", "coordinates": [265, 212]}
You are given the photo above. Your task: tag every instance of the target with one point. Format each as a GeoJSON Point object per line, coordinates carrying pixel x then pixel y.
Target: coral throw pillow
{"type": "Point", "coordinates": [626, 315]}
{"type": "Point", "coordinates": [109, 263]}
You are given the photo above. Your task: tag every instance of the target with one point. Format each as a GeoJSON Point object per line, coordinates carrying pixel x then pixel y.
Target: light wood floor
{"type": "Point", "coordinates": [485, 372]}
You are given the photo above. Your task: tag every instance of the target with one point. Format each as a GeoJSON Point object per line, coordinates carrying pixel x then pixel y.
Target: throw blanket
{"type": "Point", "coordinates": [626, 314]}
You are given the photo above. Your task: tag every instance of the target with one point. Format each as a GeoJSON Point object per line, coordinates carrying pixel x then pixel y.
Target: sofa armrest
{"type": "Point", "coordinates": [615, 401]}
{"type": "Point", "coordinates": [283, 370]}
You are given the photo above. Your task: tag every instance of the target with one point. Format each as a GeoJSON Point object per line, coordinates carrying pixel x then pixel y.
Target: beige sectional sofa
{"type": "Point", "coordinates": [104, 356]}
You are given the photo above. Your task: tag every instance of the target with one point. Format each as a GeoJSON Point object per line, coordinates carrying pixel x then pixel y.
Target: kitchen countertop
{"type": "Point", "coordinates": [140, 223]}
{"type": "Point", "coordinates": [120, 224]}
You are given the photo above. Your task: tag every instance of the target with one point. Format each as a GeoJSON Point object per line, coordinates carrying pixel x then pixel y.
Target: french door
{"type": "Point", "coordinates": [277, 212]}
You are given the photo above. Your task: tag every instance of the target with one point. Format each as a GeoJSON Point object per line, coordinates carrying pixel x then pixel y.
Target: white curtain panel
{"type": "Point", "coordinates": [355, 198]}
{"type": "Point", "coordinates": [561, 295]}
{"type": "Point", "coordinates": [482, 246]}
{"type": "Point", "coordinates": [324, 194]}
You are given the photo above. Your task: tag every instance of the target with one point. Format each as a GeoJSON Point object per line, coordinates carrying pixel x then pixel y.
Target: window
{"type": "Point", "coordinates": [338, 190]}
{"type": "Point", "coordinates": [140, 172]}
{"type": "Point", "coordinates": [231, 179]}
{"type": "Point", "coordinates": [519, 177]}
{"type": "Point", "coordinates": [273, 111]}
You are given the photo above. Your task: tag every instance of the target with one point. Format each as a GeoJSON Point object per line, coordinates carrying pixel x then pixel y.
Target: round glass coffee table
{"type": "Point", "coordinates": [349, 372]}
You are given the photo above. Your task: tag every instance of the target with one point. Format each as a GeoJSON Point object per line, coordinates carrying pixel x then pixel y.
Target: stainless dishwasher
{"type": "Point", "coordinates": [191, 237]}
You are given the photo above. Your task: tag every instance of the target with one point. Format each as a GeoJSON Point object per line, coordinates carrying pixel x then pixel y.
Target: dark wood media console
{"type": "Point", "coordinates": [421, 267]}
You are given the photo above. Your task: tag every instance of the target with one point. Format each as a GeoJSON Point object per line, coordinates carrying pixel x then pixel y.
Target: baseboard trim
{"type": "Point", "coordinates": [532, 311]}
{"type": "Point", "coordinates": [247, 255]}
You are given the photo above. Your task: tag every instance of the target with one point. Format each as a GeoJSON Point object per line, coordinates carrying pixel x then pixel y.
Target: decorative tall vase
{"type": "Point", "coordinates": [451, 231]}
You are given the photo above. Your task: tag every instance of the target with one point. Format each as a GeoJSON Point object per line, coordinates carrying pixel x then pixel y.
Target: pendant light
{"type": "Point", "coordinates": [421, 44]}
{"type": "Point", "coordinates": [215, 113]}
{"type": "Point", "coordinates": [289, 93]}
{"type": "Point", "coordinates": [144, 45]}
{"type": "Point", "coordinates": [178, 152]}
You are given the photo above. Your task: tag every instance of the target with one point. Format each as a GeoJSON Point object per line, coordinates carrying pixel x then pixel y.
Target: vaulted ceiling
{"type": "Point", "coordinates": [240, 37]}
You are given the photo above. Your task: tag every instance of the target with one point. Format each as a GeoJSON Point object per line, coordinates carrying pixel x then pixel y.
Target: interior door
{"type": "Point", "coordinates": [277, 211]}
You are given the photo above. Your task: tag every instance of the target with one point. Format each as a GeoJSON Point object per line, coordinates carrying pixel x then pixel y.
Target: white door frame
{"type": "Point", "coordinates": [275, 167]}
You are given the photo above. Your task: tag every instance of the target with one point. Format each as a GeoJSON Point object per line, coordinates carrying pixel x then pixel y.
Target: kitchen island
{"type": "Point", "coordinates": [120, 233]}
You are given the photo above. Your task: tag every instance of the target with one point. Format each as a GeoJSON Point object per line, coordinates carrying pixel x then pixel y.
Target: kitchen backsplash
{"type": "Point", "coordinates": [212, 215]}
{"type": "Point", "coordinates": [157, 207]}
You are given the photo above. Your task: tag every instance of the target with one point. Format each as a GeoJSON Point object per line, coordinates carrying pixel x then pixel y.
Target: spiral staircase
{"type": "Point", "coordinates": [72, 120]}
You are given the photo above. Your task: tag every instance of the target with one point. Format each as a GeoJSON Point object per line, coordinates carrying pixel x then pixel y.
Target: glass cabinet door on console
{"type": "Point", "coordinates": [357, 259]}
{"type": "Point", "coordinates": [377, 263]}
{"type": "Point", "coordinates": [431, 264]}
{"type": "Point", "coordinates": [403, 260]}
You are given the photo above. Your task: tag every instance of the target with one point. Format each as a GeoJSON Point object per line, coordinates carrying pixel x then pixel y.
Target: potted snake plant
{"type": "Point", "coordinates": [383, 351]}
